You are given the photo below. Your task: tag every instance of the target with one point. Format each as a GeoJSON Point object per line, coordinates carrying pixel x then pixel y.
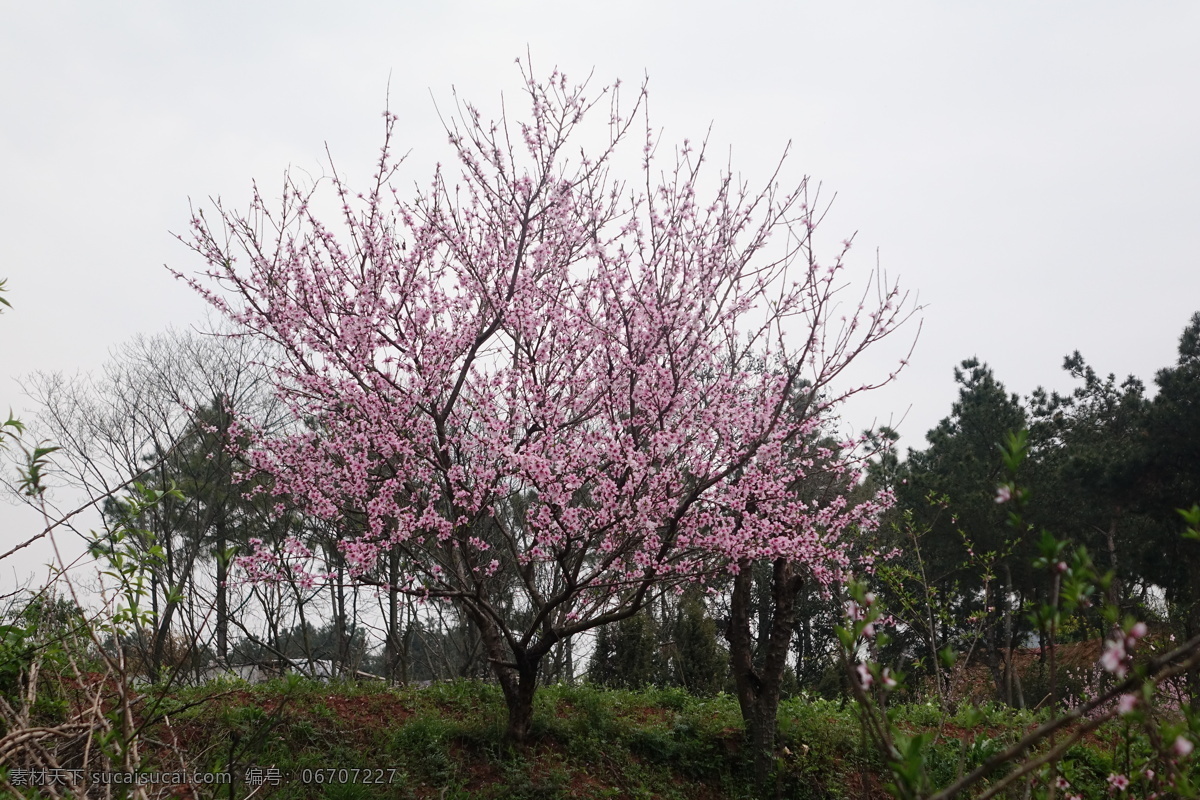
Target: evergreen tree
{"type": "Point", "coordinates": [1085, 469]}
{"type": "Point", "coordinates": [949, 488]}
{"type": "Point", "coordinates": [1171, 480]}
{"type": "Point", "coordinates": [698, 662]}
{"type": "Point", "coordinates": [628, 653]}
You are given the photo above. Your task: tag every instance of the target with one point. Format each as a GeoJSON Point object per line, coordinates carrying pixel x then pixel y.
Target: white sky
{"type": "Point", "coordinates": [1032, 169]}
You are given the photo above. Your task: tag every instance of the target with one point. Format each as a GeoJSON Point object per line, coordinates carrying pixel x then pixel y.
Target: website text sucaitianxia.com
{"type": "Point", "coordinates": [251, 776]}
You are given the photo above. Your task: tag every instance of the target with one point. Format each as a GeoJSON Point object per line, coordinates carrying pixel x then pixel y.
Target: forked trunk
{"type": "Point", "coordinates": [517, 675]}
{"type": "Point", "coordinates": [518, 696]}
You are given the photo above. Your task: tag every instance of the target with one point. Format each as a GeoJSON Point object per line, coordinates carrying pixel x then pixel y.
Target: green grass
{"type": "Point", "coordinates": [446, 742]}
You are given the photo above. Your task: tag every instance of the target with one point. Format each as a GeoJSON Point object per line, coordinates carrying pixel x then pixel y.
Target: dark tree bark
{"type": "Point", "coordinates": [516, 672]}
{"type": "Point", "coordinates": [395, 649]}
{"type": "Point", "coordinates": [759, 681]}
{"type": "Point", "coordinates": [222, 593]}
{"type": "Point", "coordinates": [1192, 618]}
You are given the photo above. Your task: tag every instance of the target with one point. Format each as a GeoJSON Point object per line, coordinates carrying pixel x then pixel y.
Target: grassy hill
{"type": "Point", "coordinates": [299, 739]}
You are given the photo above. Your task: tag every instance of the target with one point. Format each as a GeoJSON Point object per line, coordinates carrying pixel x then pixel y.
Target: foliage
{"type": "Point", "coordinates": [928, 607]}
{"type": "Point", "coordinates": [67, 705]}
{"type": "Point", "coordinates": [35, 636]}
{"type": "Point", "coordinates": [444, 741]}
{"type": "Point", "coordinates": [131, 554]}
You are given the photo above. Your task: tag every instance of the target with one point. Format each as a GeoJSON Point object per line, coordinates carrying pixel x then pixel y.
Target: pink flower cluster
{"type": "Point", "coordinates": [1116, 656]}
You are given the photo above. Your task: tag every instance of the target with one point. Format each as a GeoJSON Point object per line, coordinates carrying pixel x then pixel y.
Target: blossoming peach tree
{"type": "Point", "coordinates": [553, 393]}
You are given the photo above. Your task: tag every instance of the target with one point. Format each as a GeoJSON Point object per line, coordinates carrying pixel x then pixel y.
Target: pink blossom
{"type": "Point", "coordinates": [1137, 631]}
{"type": "Point", "coordinates": [854, 611]}
{"type": "Point", "coordinates": [1118, 782]}
{"type": "Point", "coordinates": [865, 678]}
{"type": "Point", "coordinates": [1182, 747]}
{"type": "Point", "coordinates": [1126, 703]}
{"type": "Point", "coordinates": [1114, 658]}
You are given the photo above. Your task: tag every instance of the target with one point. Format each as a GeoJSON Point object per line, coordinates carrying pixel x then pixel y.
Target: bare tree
{"type": "Point", "coordinates": [160, 413]}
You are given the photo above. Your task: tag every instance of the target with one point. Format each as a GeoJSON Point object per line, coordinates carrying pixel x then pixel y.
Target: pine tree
{"type": "Point", "coordinates": [698, 662]}
{"type": "Point", "coordinates": [627, 654]}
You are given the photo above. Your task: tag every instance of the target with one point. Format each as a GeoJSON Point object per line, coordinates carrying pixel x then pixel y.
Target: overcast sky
{"type": "Point", "coordinates": [1030, 169]}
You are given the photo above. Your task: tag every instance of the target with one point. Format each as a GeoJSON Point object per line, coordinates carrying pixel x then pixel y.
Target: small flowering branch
{"type": "Point", "coordinates": [1091, 715]}
{"type": "Point", "coordinates": [871, 684]}
{"type": "Point", "coordinates": [1073, 578]}
{"type": "Point", "coordinates": [1037, 754]}
{"type": "Point", "coordinates": [922, 607]}
{"type": "Point", "coordinates": [905, 754]}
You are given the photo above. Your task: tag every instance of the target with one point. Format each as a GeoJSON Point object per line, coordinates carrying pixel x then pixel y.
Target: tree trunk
{"type": "Point", "coordinates": [804, 646]}
{"type": "Point", "coordinates": [1192, 619]}
{"type": "Point", "coordinates": [1114, 587]}
{"type": "Point", "coordinates": [516, 673]}
{"type": "Point", "coordinates": [155, 587]}
{"type": "Point", "coordinates": [518, 696]}
{"type": "Point", "coordinates": [222, 596]}
{"type": "Point", "coordinates": [162, 635]}
{"type": "Point", "coordinates": [340, 657]}
{"type": "Point", "coordinates": [225, 472]}
{"type": "Point", "coordinates": [392, 644]}
{"type": "Point", "coordinates": [758, 689]}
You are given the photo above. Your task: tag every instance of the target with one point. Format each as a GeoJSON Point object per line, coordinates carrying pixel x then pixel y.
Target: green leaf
{"type": "Point", "coordinates": [1192, 517]}
{"type": "Point", "coordinates": [1014, 449]}
{"type": "Point", "coordinates": [947, 656]}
